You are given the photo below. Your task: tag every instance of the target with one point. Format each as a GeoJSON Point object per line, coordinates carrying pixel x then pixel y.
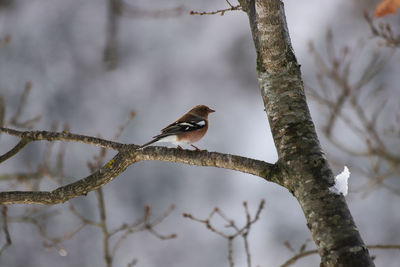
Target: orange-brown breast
{"type": "Point", "coordinates": [193, 136]}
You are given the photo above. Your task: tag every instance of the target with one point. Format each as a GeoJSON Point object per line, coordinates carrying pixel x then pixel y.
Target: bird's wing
{"type": "Point", "coordinates": [179, 126]}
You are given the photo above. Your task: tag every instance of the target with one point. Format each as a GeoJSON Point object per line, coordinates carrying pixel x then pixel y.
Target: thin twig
{"type": "Point", "coordinates": [2, 111]}
{"type": "Point", "coordinates": [5, 41]}
{"type": "Point", "coordinates": [219, 11]}
{"type": "Point", "coordinates": [15, 120]}
{"type": "Point", "coordinates": [8, 242]}
{"type": "Point", "coordinates": [144, 224]}
{"type": "Point", "coordinates": [110, 54]}
{"type": "Point", "coordinates": [384, 31]}
{"type": "Point", "coordinates": [53, 241]}
{"type": "Point", "coordinates": [242, 232]}
{"type": "Point", "coordinates": [353, 96]}
{"type": "Point", "coordinates": [103, 225]}
{"type": "Point", "coordinates": [18, 147]}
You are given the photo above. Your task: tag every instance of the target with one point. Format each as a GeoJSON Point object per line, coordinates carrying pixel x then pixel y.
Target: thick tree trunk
{"type": "Point", "coordinates": [306, 172]}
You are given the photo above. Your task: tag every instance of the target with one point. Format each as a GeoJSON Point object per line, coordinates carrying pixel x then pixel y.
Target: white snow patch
{"type": "Point", "coordinates": [341, 182]}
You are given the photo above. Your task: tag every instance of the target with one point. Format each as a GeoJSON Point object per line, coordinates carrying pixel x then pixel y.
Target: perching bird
{"type": "Point", "coordinates": [188, 129]}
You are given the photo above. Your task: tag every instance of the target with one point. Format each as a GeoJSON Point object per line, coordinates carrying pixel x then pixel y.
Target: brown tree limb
{"type": "Point", "coordinates": [128, 154]}
{"type": "Point", "coordinates": [21, 144]}
{"type": "Point", "coordinates": [30, 136]}
{"type": "Point", "coordinates": [92, 182]}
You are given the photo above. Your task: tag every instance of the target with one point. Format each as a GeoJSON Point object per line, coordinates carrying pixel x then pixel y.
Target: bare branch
{"type": "Point", "coordinates": [132, 263]}
{"type": "Point", "coordinates": [352, 97]}
{"type": "Point", "coordinates": [6, 40]}
{"type": "Point", "coordinates": [384, 246]}
{"type": "Point", "coordinates": [5, 229]}
{"type": "Point", "coordinates": [60, 158]}
{"type": "Point", "coordinates": [92, 182]}
{"type": "Point", "coordinates": [21, 144]}
{"type": "Point", "coordinates": [160, 218]}
{"type": "Point", "coordinates": [230, 252]}
{"type": "Point", "coordinates": [243, 231]}
{"type": "Point", "coordinates": [384, 31]}
{"type": "Point", "coordinates": [144, 224]}
{"type": "Point", "coordinates": [118, 8]}
{"type": "Point", "coordinates": [219, 11]}
{"type": "Point", "coordinates": [15, 120]}
{"type": "Point", "coordinates": [129, 154]}
{"type": "Point", "coordinates": [122, 127]}
{"type": "Point", "coordinates": [296, 257]}
{"type": "Point", "coordinates": [20, 176]}
{"type": "Point", "coordinates": [51, 242]}
{"type": "Point", "coordinates": [2, 111]}
{"type": "Point", "coordinates": [110, 54]}
{"type": "Point", "coordinates": [30, 136]}
{"type": "Point", "coordinates": [81, 217]}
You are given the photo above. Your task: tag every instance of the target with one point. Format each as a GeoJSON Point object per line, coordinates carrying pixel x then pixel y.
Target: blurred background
{"type": "Point", "coordinates": [90, 67]}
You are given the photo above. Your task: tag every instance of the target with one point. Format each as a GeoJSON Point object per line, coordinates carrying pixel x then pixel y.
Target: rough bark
{"type": "Point", "coordinates": [126, 156]}
{"type": "Point", "coordinates": [307, 173]}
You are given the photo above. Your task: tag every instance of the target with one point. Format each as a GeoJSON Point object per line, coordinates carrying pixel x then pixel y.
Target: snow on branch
{"type": "Point", "coordinates": [341, 182]}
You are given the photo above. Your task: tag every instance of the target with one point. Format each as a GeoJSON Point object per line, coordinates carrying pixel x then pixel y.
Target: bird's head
{"type": "Point", "coordinates": [201, 110]}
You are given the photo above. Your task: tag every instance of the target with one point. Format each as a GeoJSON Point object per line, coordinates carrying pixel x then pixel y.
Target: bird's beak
{"type": "Point", "coordinates": [210, 110]}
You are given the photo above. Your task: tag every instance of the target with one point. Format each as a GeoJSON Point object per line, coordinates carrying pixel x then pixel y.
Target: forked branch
{"type": "Point", "coordinates": [127, 155]}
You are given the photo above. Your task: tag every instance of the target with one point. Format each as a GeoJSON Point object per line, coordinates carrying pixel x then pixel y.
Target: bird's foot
{"type": "Point", "coordinates": [196, 148]}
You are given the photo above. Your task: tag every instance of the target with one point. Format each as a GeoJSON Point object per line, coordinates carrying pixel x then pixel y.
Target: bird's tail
{"type": "Point", "coordinates": [149, 143]}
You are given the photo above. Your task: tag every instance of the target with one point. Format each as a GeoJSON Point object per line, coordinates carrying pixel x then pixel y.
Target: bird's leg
{"type": "Point", "coordinates": [195, 147]}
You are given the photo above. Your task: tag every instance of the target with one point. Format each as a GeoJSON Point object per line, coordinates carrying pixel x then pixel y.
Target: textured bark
{"type": "Point", "coordinates": [307, 173]}
{"type": "Point", "coordinates": [127, 155]}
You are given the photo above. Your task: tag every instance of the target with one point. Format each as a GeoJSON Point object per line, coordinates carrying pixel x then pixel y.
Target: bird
{"type": "Point", "coordinates": [188, 129]}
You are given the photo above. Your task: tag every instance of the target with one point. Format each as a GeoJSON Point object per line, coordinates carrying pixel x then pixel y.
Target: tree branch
{"type": "Point", "coordinates": [30, 136]}
{"type": "Point", "coordinates": [21, 144]}
{"type": "Point", "coordinates": [231, 224]}
{"type": "Point", "coordinates": [221, 11]}
{"type": "Point", "coordinates": [8, 243]}
{"type": "Point", "coordinates": [127, 155]}
{"type": "Point", "coordinates": [92, 182]}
